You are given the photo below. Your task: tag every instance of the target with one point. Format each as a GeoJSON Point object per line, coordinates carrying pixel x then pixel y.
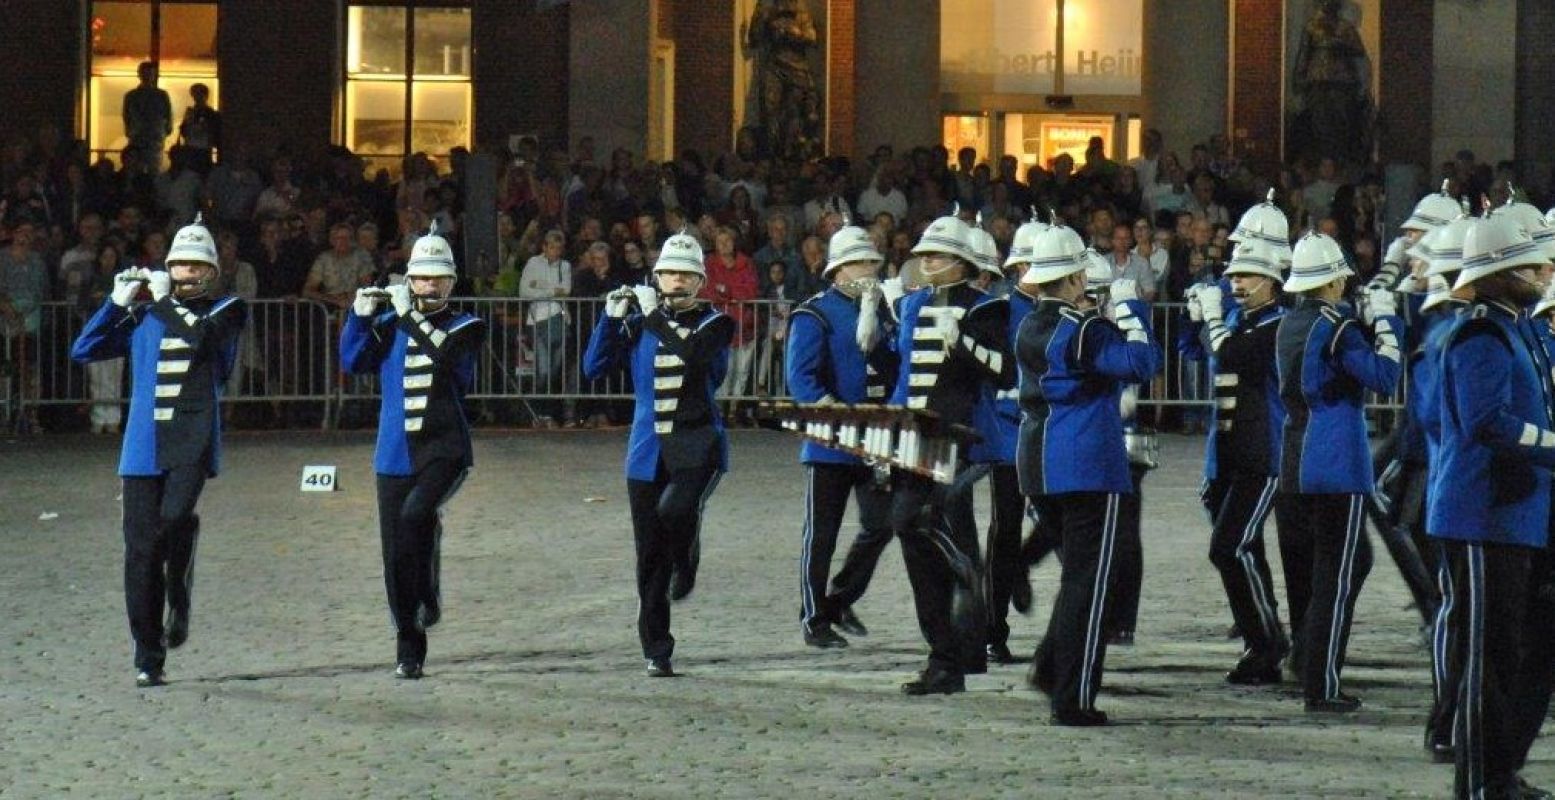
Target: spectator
{"type": "Point", "coordinates": [649, 233]}
{"type": "Point", "coordinates": [635, 270]}
{"type": "Point", "coordinates": [812, 260]}
{"type": "Point", "coordinates": [236, 277]}
{"type": "Point", "coordinates": [280, 197]}
{"type": "Point", "coordinates": [731, 284]}
{"type": "Point", "coordinates": [882, 196]}
{"type": "Point", "coordinates": [370, 250]}
{"type": "Point", "coordinates": [740, 217]}
{"type": "Point", "coordinates": [339, 271]}
{"type": "Point", "coordinates": [1203, 204]}
{"type": "Point", "coordinates": [1128, 266]}
{"type": "Point", "coordinates": [153, 250]}
{"type": "Point", "coordinates": [779, 248]}
{"type": "Point", "coordinates": [545, 277]}
{"type": "Point", "coordinates": [1146, 247]}
{"type": "Point", "coordinates": [826, 201]}
{"type": "Point", "coordinates": [148, 121]}
{"type": "Point", "coordinates": [105, 378]}
{"type": "Point", "coordinates": [1318, 196]}
{"type": "Point", "coordinates": [23, 289]}
{"type": "Point", "coordinates": [280, 267]}
{"type": "Point", "coordinates": [200, 131]}
{"type": "Point", "coordinates": [180, 190]}
{"type": "Point", "coordinates": [234, 188]}
{"type": "Point", "coordinates": [1147, 166]}
{"type": "Point", "coordinates": [593, 280]}
{"type": "Point", "coordinates": [78, 266]}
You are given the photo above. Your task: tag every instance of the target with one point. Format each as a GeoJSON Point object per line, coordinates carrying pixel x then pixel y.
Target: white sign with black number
{"type": "Point", "coordinates": [318, 478]}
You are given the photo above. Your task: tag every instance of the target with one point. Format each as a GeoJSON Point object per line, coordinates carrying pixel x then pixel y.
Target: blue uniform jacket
{"type": "Point", "coordinates": [1497, 448]}
{"type": "Point", "coordinates": [680, 374]}
{"type": "Point", "coordinates": [959, 384]}
{"type": "Point", "coordinates": [1073, 366]}
{"type": "Point", "coordinates": [1327, 361]}
{"type": "Point", "coordinates": [167, 344]}
{"type": "Point", "coordinates": [1414, 446]}
{"type": "Point", "coordinates": [1007, 401]}
{"type": "Point", "coordinates": [425, 366]}
{"type": "Point", "coordinates": [823, 360]}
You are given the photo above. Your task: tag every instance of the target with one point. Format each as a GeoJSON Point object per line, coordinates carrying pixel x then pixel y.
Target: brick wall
{"type": "Point", "coordinates": [704, 76]}
{"type": "Point", "coordinates": [520, 71]}
{"type": "Point", "coordinates": [1404, 101]}
{"type": "Point", "coordinates": [279, 67]}
{"type": "Point", "coordinates": [39, 65]}
{"type": "Point", "coordinates": [1255, 89]}
{"type": "Point", "coordinates": [840, 81]}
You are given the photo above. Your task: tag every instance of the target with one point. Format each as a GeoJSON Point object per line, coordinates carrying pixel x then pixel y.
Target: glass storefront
{"type": "Point", "coordinates": [180, 37]}
{"type": "Point", "coordinates": [391, 111]}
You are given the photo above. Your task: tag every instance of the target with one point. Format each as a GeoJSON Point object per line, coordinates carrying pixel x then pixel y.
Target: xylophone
{"type": "Point", "coordinates": [914, 440]}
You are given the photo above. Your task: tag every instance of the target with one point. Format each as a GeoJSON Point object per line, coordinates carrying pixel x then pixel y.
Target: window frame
{"type": "Point", "coordinates": [407, 81]}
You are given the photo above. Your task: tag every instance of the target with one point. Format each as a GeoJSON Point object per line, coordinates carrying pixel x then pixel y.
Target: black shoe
{"type": "Point", "coordinates": [1020, 594]}
{"type": "Point", "coordinates": [975, 665]}
{"type": "Point", "coordinates": [1255, 669]}
{"type": "Point", "coordinates": [1121, 639]}
{"type": "Point", "coordinates": [1079, 718]}
{"type": "Point", "coordinates": [1442, 752]}
{"type": "Point", "coordinates": [659, 668]}
{"type": "Point", "coordinates": [935, 680]}
{"type": "Point", "coordinates": [1343, 704]}
{"type": "Point", "coordinates": [850, 623]}
{"type": "Point", "coordinates": [177, 628]}
{"type": "Point", "coordinates": [823, 636]}
{"type": "Point", "coordinates": [148, 678]}
{"type": "Point", "coordinates": [999, 653]}
{"type": "Point", "coordinates": [408, 670]}
{"type": "Point", "coordinates": [682, 581]}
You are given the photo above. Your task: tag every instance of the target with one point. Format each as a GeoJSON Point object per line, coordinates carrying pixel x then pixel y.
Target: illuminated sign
{"type": "Point", "coordinates": [1010, 46]}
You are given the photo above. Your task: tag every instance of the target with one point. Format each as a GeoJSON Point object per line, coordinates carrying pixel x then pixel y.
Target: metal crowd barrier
{"type": "Point", "coordinates": [532, 356]}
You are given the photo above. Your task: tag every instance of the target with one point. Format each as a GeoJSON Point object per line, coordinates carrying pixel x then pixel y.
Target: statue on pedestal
{"type": "Point", "coordinates": [787, 118]}
{"type": "Point", "coordinates": [1333, 85]}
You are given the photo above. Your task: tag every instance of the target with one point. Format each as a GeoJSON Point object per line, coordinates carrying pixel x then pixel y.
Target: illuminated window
{"type": "Point", "coordinates": [407, 80]}
{"type": "Point", "coordinates": [969, 130]}
{"type": "Point", "coordinates": [180, 37]}
{"type": "Point", "coordinates": [1015, 47]}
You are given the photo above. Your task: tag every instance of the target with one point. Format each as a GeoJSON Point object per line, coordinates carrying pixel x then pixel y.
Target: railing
{"type": "Point", "coordinates": [532, 355]}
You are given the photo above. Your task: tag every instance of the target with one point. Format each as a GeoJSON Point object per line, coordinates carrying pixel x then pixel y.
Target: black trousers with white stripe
{"type": "Point", "coordinates": [827, 487]}
{"type": "Point", "coordinates": [410, 527]}
{"type": "Point", "coordinates": [1238, 506]}
{"type": "Point", "coordinates": [1073, 651]}
{"type": "Point", "coordinates": [160, 532]}
{"type": "Point", "coordinates": [666, 523]}
{"type": "Point", "coordinates": [1128, 567]}
{"type": "Point", "coordinates": [939, 546]}
{"type": "Point", "coordinates": [1536, 677]}
{"type": "Point", "coordinates": [1446, 659]}
{"type": "Point", "coordinates": [1492, 587]}
{"type": "Point", "coordinates": [1327, 551]}
{"type": "Point", "coordinates": [1003, 565]}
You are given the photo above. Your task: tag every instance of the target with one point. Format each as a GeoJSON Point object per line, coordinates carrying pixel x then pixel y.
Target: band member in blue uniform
{"type": "Point", "coordinates": [1491, 498]}
{"type": "Point", "coordinates": [1327, 360]}
{"type": "Point", "coordinates": [1073, 367]}
{"type": "Point", "coordinates": [181, 348]}
{"type": "Point", "coordinates": [840, 351]}
{"type": "Point", "coordinates": [1005, 576]}
{"type": "Point", "coordinates": [677, 350]}
{"type": "Point", "coordinates": [955, 355]}
{"type": "Point", "coordinates": [1242, 457]}
{"type": "Point", "coordinates": [424, 354]}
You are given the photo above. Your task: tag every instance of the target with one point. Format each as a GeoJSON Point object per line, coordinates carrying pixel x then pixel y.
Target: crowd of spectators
{"type": "Point", "coordinates": [578, 224]}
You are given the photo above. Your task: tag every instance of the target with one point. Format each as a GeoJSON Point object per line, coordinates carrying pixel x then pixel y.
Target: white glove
{"type": "Point", "coordinates": [161, 284]}
{"type": "Point", "coordinates": [647, 297]}
{"type": "Point", "coordinates": [949, 328]}
{"type": "Point", "coordinates": [1212, 302]}
{"type": "Point", "coordinates": [867, 334]}
{"type": "Point", "coordinates": [399, 297]}
{"type": "Point", "coordinates": [1128, 402]}
{"type": "Point", "coordinates": [619, 303]}
{"type": "Point", "coordinates": [1380, 302]}
{"type": "Point", "coordinates": [367, 300]}
{"type": "Point", "coordinates": [1195, 310]}
{"type": "Point", "coordinates": [125, 286]}
{"type": "Point", "coordinates": [892, 289]}
{"type": "Point", "coordinates": [1397, 252]}
{"type": "Point", "coordinates": [1123, 290]}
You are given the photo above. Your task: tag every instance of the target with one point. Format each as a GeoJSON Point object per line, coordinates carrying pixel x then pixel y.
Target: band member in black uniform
{"type": "Point", "coordinates": [955, 344]}
{"type": "Point", "coordinates": [181, 347]}
{"type": "Point", "coordinates": [839, 350]}
{"type": "Point", "coordinates": [678, 352]}
{"type": "Point", "coordinates": [424, 354]}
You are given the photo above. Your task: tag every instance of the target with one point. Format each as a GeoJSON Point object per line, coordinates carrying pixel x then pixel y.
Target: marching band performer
{"type": "Point", "coordinates": [1442, 250]}
{"type": "Point", "coordinates": [424, 354]}
{"type": "Point", "coordinates": [840, 351]}
{"type": "Point", "coordinates": [678, 352]}
{"type": "Point", "coordinates": [1073, 365]}
{"type": "Point", "coordinates": [955, 354]}
{"type": "Point", "coordinates": [1242, 456]}
{"type": "Point", "coordinates": [1004, 570]}
{"type": "Point", "coordinates": [1326, 361]}
{"type": "Point", "coordinates": [1491, 500]}
{"type": "Point", "coordinates": [181, 347]}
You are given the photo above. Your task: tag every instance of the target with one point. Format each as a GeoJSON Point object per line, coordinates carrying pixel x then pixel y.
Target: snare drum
{"type": "Point", "coordinates": [1142, 447]}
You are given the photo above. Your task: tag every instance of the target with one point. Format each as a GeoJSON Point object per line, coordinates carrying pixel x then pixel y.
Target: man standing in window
{"type": "Point", "coordinates": [148, 120]}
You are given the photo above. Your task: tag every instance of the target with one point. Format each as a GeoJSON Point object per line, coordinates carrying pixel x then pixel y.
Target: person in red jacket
{"type": "Point", "coordinates": [731, 285]}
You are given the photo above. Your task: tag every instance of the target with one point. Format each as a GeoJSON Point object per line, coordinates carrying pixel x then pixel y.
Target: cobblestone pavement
{"type": "Point", "coordinates": [533, 686]}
